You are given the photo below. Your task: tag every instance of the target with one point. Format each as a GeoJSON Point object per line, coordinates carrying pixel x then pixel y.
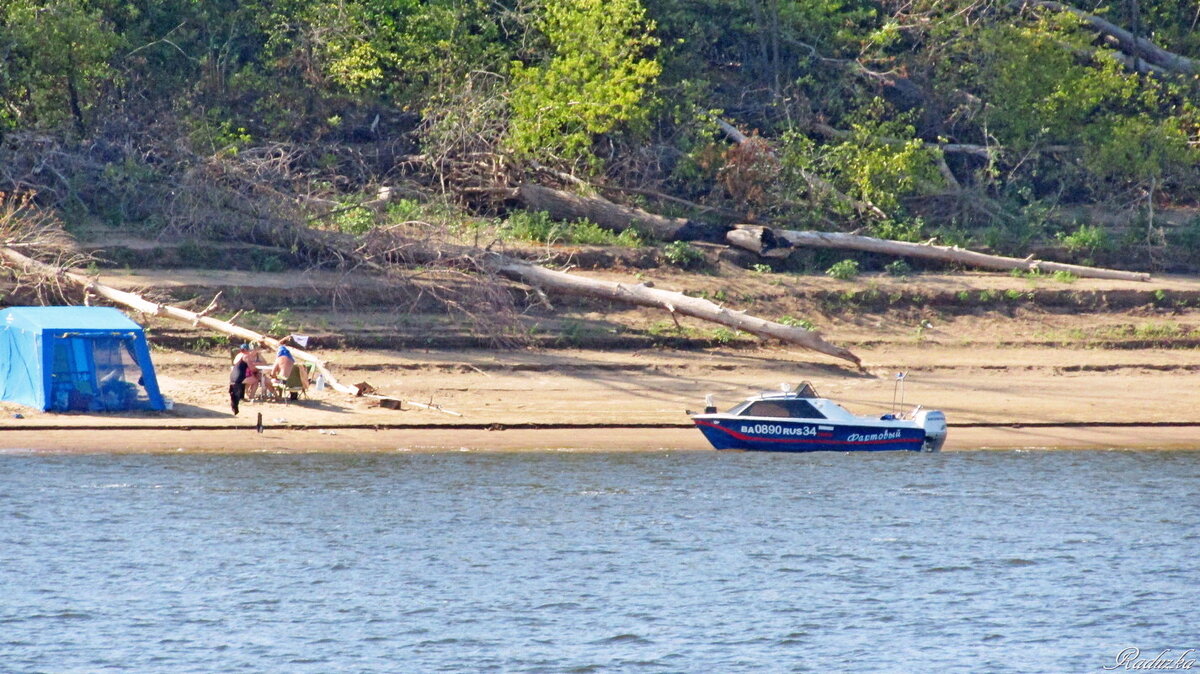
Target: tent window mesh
{"type": "Point", "coordinates": [96, 374]}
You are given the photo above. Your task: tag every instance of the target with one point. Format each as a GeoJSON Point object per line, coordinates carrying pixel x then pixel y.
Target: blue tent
{"type": "Point", "coordinates": [88, 359]}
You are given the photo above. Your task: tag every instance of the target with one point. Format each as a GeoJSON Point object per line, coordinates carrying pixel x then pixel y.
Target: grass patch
{"type": "Point", "coordinates": [1136, 332]}
{"type": "Point", "coordinates": [794, 322]}
{"type": "Point", "coordinates": [844, 270]}
{"type": "Point", "coordinates": [541, 228]}
{"type": "Point", "coordinates": [683, 254]}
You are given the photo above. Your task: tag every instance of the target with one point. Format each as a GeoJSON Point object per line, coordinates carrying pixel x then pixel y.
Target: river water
{"type": "Point", "coordinates": [638, 562]}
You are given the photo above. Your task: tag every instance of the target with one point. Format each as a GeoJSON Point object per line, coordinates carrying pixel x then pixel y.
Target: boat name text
{"type": "Point", "coordinates": [869, 437]}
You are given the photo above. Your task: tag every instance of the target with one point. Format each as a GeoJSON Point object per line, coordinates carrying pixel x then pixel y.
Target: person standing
{"type": "Point", "coordinates": [237, 378]}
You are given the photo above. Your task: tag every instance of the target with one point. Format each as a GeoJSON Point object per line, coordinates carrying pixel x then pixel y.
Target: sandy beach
{"type": "Point", "coordinates": [561, 400]}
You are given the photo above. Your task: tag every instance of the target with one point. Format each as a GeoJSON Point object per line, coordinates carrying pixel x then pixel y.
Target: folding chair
{"type": "Point", "coordinates": [293, 387]}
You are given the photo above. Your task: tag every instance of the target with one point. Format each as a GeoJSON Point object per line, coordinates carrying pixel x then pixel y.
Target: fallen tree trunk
{"type": "Point", "coordinates": [141, 304]}
{"type": "Point", "coordinates": [567, 206]}
{"type": "Point", "coordinates": [538, 277]}
{"type": "Point", "coordinates": [391, 248]}
{"type": "Point", "coordinates": [1139, 48]}
{"type": "Point", "coordinates": [779, 243]}
{"type": "Point", "coordinates": [674, 302]}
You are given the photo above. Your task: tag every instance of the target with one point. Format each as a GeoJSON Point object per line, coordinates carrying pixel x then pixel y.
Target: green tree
{"type": "Point", "coordinates": [1043, 81]}
{"type": "Point", "coordinates": [57, 63]}
{"type": "Point", "coordinates": [881, 162]}
{"type": "Point", "coordinates": [397, 48]}
{"type": "Point", "coordinates": [595, 78]}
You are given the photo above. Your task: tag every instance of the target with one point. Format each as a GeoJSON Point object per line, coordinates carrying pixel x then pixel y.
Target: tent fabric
{"type": "Point", "coordinates": [88, 359]}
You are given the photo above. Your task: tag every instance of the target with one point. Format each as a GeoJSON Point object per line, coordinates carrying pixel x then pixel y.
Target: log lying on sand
{"type": "Point", "coordinates": [612, 216]}
{"type": "Point", "coordinates": [543, 279]}
{"type": "Point", "coordinates": [141, 304]}
{"type": "Point", "coordinates": [539, 277]}
{"type": "Point", "coordinates": [780, 242]}
{"type": "Point", "coordinates": [674, 302]}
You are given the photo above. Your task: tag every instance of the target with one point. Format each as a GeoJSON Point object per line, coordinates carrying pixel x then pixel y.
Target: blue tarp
{"type": "Point", "coordinates": [88, 359]}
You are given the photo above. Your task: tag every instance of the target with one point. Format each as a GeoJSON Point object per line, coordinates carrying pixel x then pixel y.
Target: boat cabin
{"type": "Point", "coordinates": [799, 404]}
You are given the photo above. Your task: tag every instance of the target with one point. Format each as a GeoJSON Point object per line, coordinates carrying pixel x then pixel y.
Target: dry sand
{"type": "Point", "coordinates": [994, 398]}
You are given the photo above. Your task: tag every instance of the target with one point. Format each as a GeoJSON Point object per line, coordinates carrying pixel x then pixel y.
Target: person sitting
{"type": "Point", "coordinates": [241, 360]}
{"type": "Point", "coordinates": [257, 384]}
{"type": "Point", "coordinates": [285, 363]}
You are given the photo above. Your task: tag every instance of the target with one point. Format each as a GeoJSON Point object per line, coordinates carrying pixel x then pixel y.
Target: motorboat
{"type": "Point", "coordinates": [800, 420]}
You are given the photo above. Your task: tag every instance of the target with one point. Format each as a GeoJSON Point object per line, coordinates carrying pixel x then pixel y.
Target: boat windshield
{"type": "Point", "coordinates": [792, 408]}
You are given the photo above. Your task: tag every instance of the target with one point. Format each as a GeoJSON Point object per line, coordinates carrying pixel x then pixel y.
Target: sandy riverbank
{"type": "Point", "coordinates": [1030, 397]}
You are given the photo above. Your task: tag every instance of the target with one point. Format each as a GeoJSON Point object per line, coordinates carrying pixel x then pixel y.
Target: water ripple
{"type": "Point", "coordinates": [558, 562]}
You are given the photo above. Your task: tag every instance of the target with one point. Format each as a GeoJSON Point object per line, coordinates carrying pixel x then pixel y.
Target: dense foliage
{"type": "Point", "coordinates": [976, 120]}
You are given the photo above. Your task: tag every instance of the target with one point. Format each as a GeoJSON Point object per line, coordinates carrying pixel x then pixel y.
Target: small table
{"type": "Point", "coordinates": [265, 391]}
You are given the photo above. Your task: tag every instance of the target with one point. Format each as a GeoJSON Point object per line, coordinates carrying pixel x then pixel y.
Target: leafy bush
{"type": "Point", "coordinates": [898, 230]}
{"type": "Point", "coordinates": [355, 220]}
{"type": "Point", "coordinates": [1086, 239]}
{"type": "Point", "coordinates": [530, 226]}
{"type": "Point", "coordinates": [539, 226]}
{"type": "Point", "coordinates": [282, 323]}
{"type": "Point", "coordinates": [844, 270]}
{"type": "Point", "coordinates": [682, 254]}
{"type": "Point", "coordinates": [213, 133]}
{"type": "Point", "coordinates": [587, 232]}
{"type": "Point", "coordinates": [725, 335]}
{"type": "Point", "coordinates": [898, 268]}
{"type": "Point", "coordinates": [880, 171]}
{"type": "Point", "coordinates": [1137, 148]}
{"type": "Point", "coordinates": [270, 263]}
{"type": "Point", "coordinates": [797, 322]}
{"type": "Point", "coordinates": [403, 210]}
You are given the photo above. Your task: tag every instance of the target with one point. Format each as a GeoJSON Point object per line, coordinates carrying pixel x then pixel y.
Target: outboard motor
{"type": "Point", "coordinates": [934, 423]}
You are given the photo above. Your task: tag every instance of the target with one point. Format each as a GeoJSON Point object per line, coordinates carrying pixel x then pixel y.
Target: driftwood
{"type": "Point", "coordinates": [141, 304]}
{"type": "Point", "coordinates": [567, 206]}
{"type": "Point", "coordinates": [673, 302]}
{"type": "Point", "coordinates": [779, 243]}
{"type": "Point", "coordinates": [542, 279]}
